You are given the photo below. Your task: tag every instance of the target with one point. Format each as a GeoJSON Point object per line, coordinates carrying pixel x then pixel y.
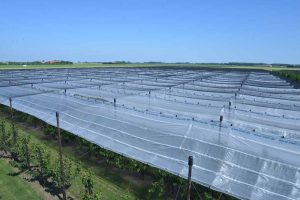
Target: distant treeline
{"type": "Point", "coordinates": [287, 65]}
{"type": "Point", "coordinates": [55, 62]}
{"type": "Point", "coordinates": [62, 62]}
{"type": "Point", "coordinates": [254, 64]}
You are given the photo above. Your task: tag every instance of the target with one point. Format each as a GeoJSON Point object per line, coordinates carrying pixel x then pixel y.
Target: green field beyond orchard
{"type": "Point", "coordinates": [159, 65]}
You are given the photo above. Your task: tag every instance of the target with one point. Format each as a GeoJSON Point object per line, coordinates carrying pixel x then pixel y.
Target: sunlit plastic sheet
{"type": "Point", "coordinates": [252, 154]}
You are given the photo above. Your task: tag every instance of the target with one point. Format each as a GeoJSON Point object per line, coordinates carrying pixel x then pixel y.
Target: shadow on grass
{"type": "Point", "coordinates": [49, 187]}
{"type": "Point", "coordinates": [15, 173]}
{"type": "Point", "coordinates": [5, 156]}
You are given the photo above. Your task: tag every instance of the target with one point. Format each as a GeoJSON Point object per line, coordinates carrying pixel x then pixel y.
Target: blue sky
{"type": "Point", "coordinates": [151, 30]}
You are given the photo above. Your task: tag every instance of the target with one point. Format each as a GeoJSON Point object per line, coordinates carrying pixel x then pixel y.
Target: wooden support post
{"type": "Point", "coordinates": [221, 118]}
{"type": "Point", "coordinates": [11, 110]}
{"type": "Point", "coordinates": [62, 173]}
{"type": "Point", "coordinates": [190, 178]}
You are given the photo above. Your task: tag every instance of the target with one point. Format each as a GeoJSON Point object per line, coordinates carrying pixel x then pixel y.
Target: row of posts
{"type": "Point", "coordinates": [190, 158]}
{"type": "Point", "coordinates": [59, 149]}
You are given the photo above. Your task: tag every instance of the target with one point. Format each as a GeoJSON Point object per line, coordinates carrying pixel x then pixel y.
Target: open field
{"type": "Point", "coordinates": [158, 65]}
{"type": "Point", "coordinates": [160, 117]}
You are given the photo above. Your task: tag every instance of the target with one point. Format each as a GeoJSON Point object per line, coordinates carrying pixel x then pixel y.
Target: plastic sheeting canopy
{"type": "Point", "coordinates": [242, 128]}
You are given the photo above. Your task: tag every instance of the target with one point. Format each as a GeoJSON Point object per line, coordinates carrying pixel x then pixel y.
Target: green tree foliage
{"type": "Point", "coordinates": [4, 138]}
{"type": "Point", "coordinates": [70, 170]}
{"type": "Point", "coordinates": [157, 190]}
{"type": "Point", "coordinates": [293, 76]}
{"type": "Point", "coordinates": [208, 196]}
{"type": "Point", "coordinates": [21, 152]}
{"type": "Point", "coordinates": [29, 119]}
{"type": "Point", "coordinates": [14, 134]}
{"type": "Point", "coordinates": [49, 130]}
{"type": "Point", "coordinates": [2, 127]}
{"type": "Point", "coordinates": [88, 184]}
{"type": "Point", "coordinates": [42, 160]}
{"type": "Point", "coordinates": [25, 155]}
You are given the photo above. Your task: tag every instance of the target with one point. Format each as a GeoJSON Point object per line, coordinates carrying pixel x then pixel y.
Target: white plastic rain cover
{"type": "Point", "coordinates": [243, 129]}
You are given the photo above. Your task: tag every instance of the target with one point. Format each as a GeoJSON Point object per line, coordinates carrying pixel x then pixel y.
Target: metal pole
{"type": "Point", "coordinates": [61, 159]}
{"type": "Point", "coordinates": [190, 178]}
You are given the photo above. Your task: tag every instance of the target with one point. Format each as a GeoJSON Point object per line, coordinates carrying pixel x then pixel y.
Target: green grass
{"type": "Point", "coordinates": [14, 187]}
{"type": "Point", "coordinates": [99, 65]}
{"type": "Point", "coordinates": [110, 184]}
